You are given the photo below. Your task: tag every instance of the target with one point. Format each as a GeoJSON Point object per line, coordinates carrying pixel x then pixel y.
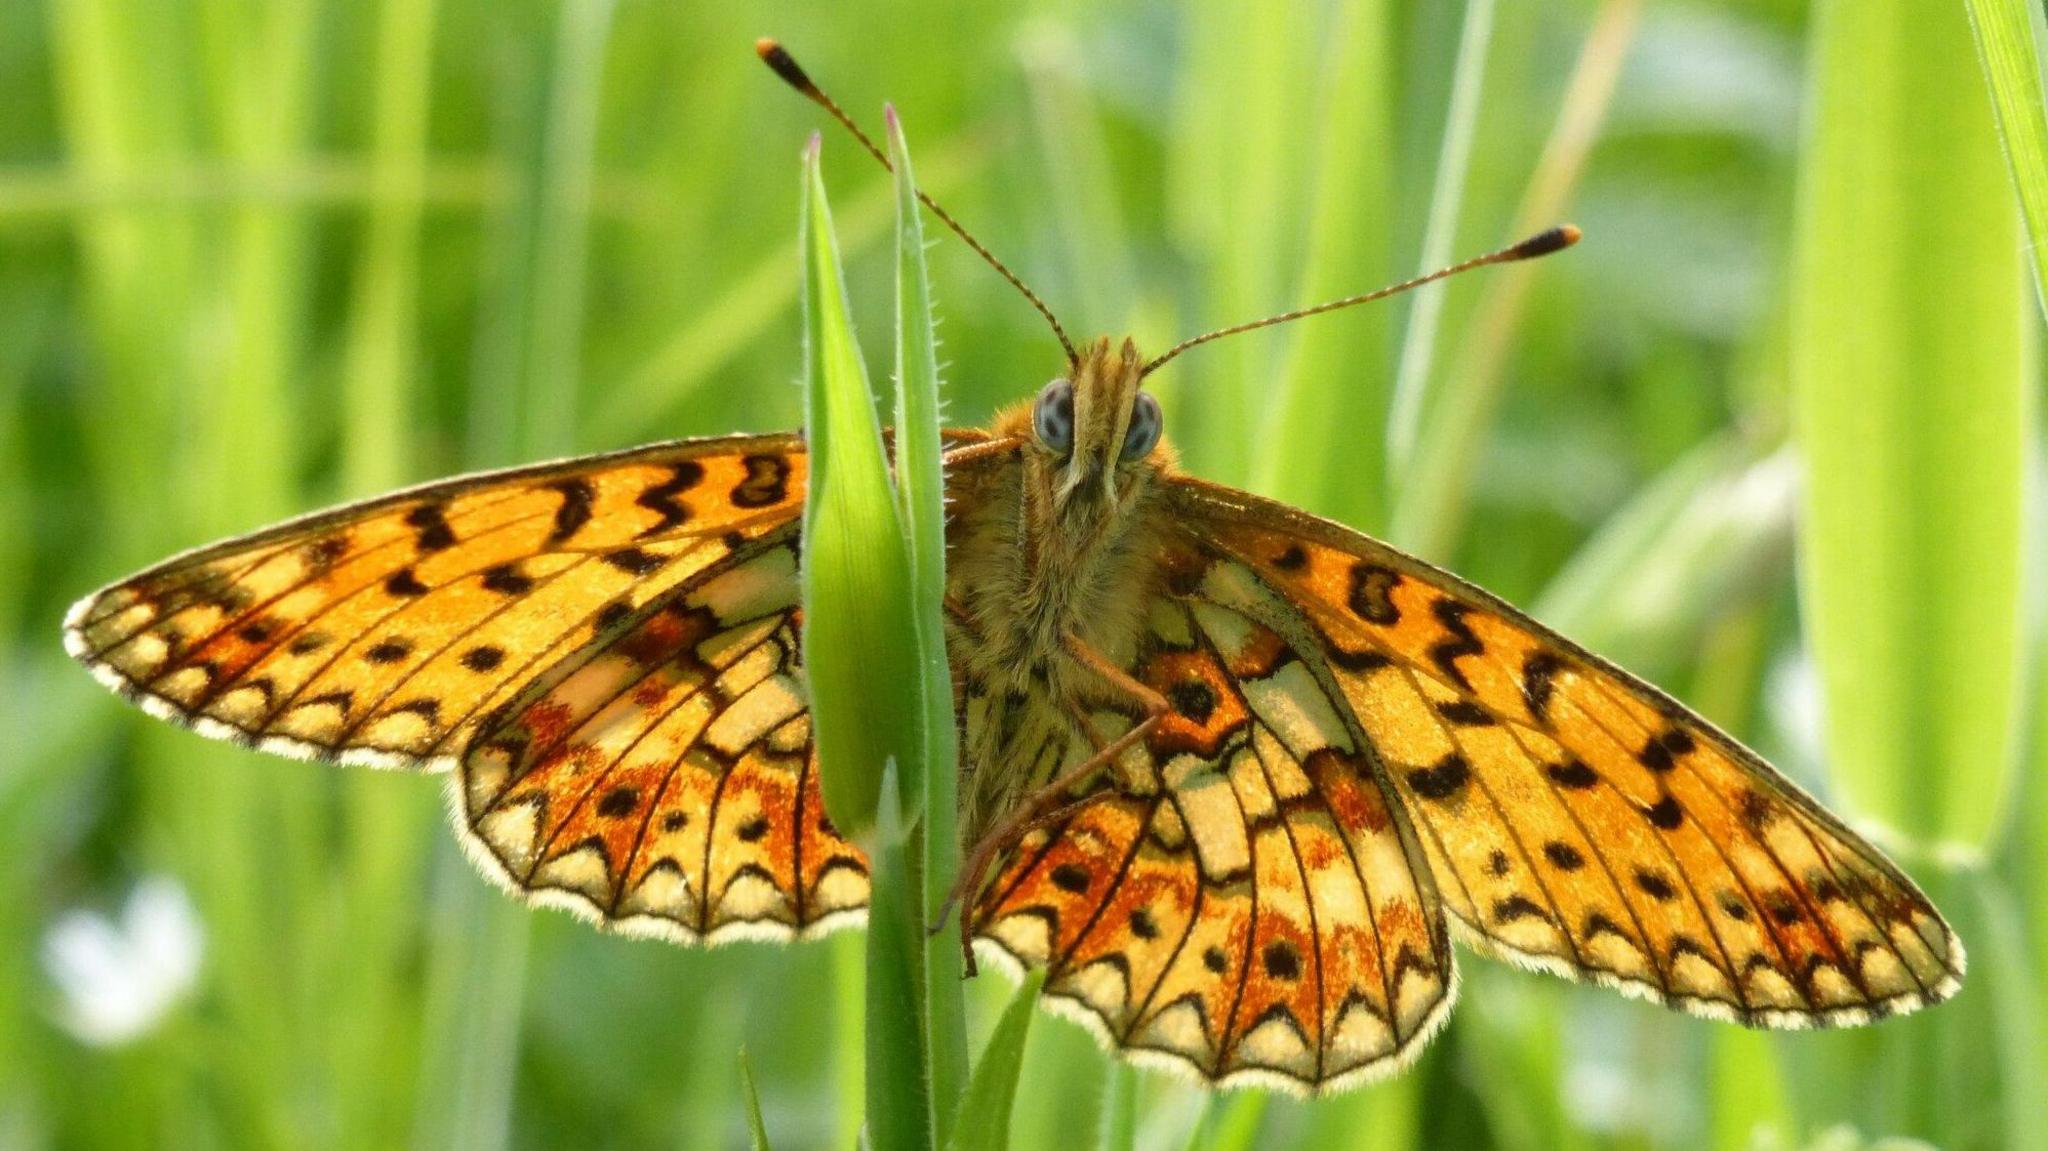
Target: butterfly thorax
{"type": "Point", "coordinates": [1064, 551]}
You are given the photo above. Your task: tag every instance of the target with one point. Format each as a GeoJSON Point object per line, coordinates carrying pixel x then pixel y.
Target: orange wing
{"type": "Point", "coordinates": [661, 780]}
{"type": "Point", "coordinates": [604, 646]}
{"type": "Point", "coordinates": [1242, 896]}
{"type": "Point", "coordinates": [1578, 820]}
{"type": "Point", "coordinates": [381, 632]}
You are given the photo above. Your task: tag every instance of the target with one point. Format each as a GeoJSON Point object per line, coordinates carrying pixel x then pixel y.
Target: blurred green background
{"type": "Point", "coordinates": [1765, 434]}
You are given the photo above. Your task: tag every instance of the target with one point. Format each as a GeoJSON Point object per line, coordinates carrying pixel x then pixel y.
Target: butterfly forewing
{"type": "Point", "coordinates": [1577, 819]}
{"type": "Point", "coordinates": [382, 632]}
{"type": "Point", "coordinates": [1241, 897]}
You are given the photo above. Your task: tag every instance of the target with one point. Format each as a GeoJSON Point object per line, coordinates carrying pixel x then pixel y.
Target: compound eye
{"type": "Point", "coordinates": [1052, 417]}
{"type": "Point", "coordinates": [1143, 433]}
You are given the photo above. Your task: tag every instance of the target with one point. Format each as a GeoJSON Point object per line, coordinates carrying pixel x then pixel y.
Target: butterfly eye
{"type": "Point", "coordinates": [1052, 417]}
{"type": "Point", "coordinates": [1143, 433]}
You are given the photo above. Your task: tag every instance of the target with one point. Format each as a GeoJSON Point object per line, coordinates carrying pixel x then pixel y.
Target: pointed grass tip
{"type": "Point", "coordinates": [1544, 243]}
{"type": "Point", "coordinates": [783, 64]}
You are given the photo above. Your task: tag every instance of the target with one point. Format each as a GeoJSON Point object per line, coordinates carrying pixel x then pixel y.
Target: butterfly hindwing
{"type": "Point", "coordinates": [1241, 897]}
{"type": "Point", "coordinates": [1576, 819]}
{"type": "Point", "coordinates": [662, 779]}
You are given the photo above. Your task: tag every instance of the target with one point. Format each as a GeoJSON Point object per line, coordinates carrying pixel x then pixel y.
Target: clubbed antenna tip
{"type": "Point", "coordinates": [1544, 243]}
{"type": "Point", "coordinates": [784, 65]}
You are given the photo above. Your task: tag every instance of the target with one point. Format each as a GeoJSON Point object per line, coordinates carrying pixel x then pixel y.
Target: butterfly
{"type": "Point", "coordinates": [1235, 776]}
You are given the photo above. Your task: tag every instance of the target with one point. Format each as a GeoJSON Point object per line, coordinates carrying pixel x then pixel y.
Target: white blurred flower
{"type": "Point", "coordinates": [116, 980]}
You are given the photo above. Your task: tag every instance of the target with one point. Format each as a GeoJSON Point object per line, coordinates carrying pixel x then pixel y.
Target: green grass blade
{"type": "Point", "coordinates": [856, 570]}
{"type": "Point", "coordinates": [921, 498]}
{"type": "Point", "coordinates": [554, 365]}
{"type": "Point", "coordinates": [860, 652]}
{"type": "Point", "coordinates": [1235, 166]}
{"type": "Point", "coordinates": [389, 820]}
{"type": "Point", "coordinates": [1455, 425]}
{"type": "Point", "coordinates": [1909, 377]}
{"type": "Point", "coordinates": [1119, 1126]}
{"type": "Point", "coordinates": [985, 1109]}
{"type": "Point", "coordinates": [1712, 530]}
{"type": "Point", "coordinates": [1454, 160]}
{"type": "Point", "coordinates": [898, 1072]}
{"type": "Point", "coordinates": [757, 1130]}
{"type": "Point", "coordinates": [1326, 448]}
{"type": "Point", "coordinates": [1232, 1124]}
{"type": "Point", "coordinates": [2008, 36]}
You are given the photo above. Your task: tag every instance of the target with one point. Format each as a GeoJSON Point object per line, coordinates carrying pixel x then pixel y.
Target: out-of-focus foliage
{"type": "Point", "coordinates": [260, 255]}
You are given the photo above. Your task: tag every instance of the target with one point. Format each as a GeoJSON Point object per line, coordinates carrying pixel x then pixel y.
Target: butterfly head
{"type": "Point", "coordinates": [1093, 432]}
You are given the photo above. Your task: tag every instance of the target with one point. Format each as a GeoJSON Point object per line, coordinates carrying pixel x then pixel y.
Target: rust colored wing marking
{"type": "Point", "coordinates": [1578, 820]}
{"type": "Point", "coordinates": [1237, 900]}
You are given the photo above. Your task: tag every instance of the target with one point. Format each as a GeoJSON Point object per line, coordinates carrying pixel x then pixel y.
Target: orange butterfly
{"type": "Point", "coordinates": [1234, 775]}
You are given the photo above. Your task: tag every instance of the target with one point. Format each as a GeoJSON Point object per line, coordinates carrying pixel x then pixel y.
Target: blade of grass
{"type": "Point", "coordinates": [2013, 971]}
{"type": "Point", "coordinates": [1454, 161]}
{"type": "Point", "coordinates": [1233, 175]}
{"type": "Point", "coordinates": [2008, 34]}
{"type": "Point", "coordinates": [1119, 1127]}
{"type": "Point", "coordinates": [921, 498]}
{"type": "Point", "coordinates": [757, 1130]}
{"type": "Point", "coordinates": [985, 1108]}
{"type": "Point", "coordinates": [561, 239]}
{"type": "Point", "coordinates": [1430, 514]}
{"type": "Point", "coordinates": [1324, 453]}
{"type": "Point", "coordinates": [856, 563]}
{"type": "Point", "coordinates": [1232, 1124]}
{"type": "Point", "coordinates": [1909, 387]}
{"type": "Point", "coordinates": [388, 819]}
{"type": "Point", "coordinates": [1711, 530]}
{"type": "Point", "coordinates": [860, 651]}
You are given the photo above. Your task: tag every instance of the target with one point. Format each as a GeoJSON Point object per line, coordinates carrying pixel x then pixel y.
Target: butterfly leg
{"type": "Point", "coordinates": [1050, 804]}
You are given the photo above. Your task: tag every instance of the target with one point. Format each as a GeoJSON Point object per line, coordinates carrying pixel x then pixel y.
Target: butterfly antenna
{"type": "Point", "coordinates": [1541, 244]}
{"type": "Point", "coordinates": [784, 65]}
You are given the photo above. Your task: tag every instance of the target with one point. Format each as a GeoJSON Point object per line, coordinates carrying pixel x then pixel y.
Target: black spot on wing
{"type": "Point", "coordinates": [431, 532]}
{"type": "Point", "coordinates": [767, 482]}
{"type": "Point", "coordinates": [1465, 713]}
{"type": "Point", "coordinates": [1665, 814]}
{"type": "Point", "coordinates": [574, 510]}
{"type": "Point", "coordinates": [661, 498]}
{"type": "Point", "coordinates": [483, 658]}
{"type": "Point", "coordinates": [389, 651]}
{"type": "Point", "coordinates": [1194, 699]}
{"type": "Point", "coordinates": [404, 584]}
{"type": "Point", "coordinates": [1573, 774]}
{"type": "Point", "coordinates": [507, 580]}
{"type": "Point", "coordinates": [1070, 878]}
{"type": "Point", "coordinates": [1539, 683]}
{"type": "Point", "coordinates": [633, 561]}
{"type": "Point", "coordinates": [1655, 884]}
{"type": "Point", "coordinates": [1445, 779]}
{"type": "Point", "coordinates": [1514, 907]}
{"type": "Point", "coordinates": [1460, 641]}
